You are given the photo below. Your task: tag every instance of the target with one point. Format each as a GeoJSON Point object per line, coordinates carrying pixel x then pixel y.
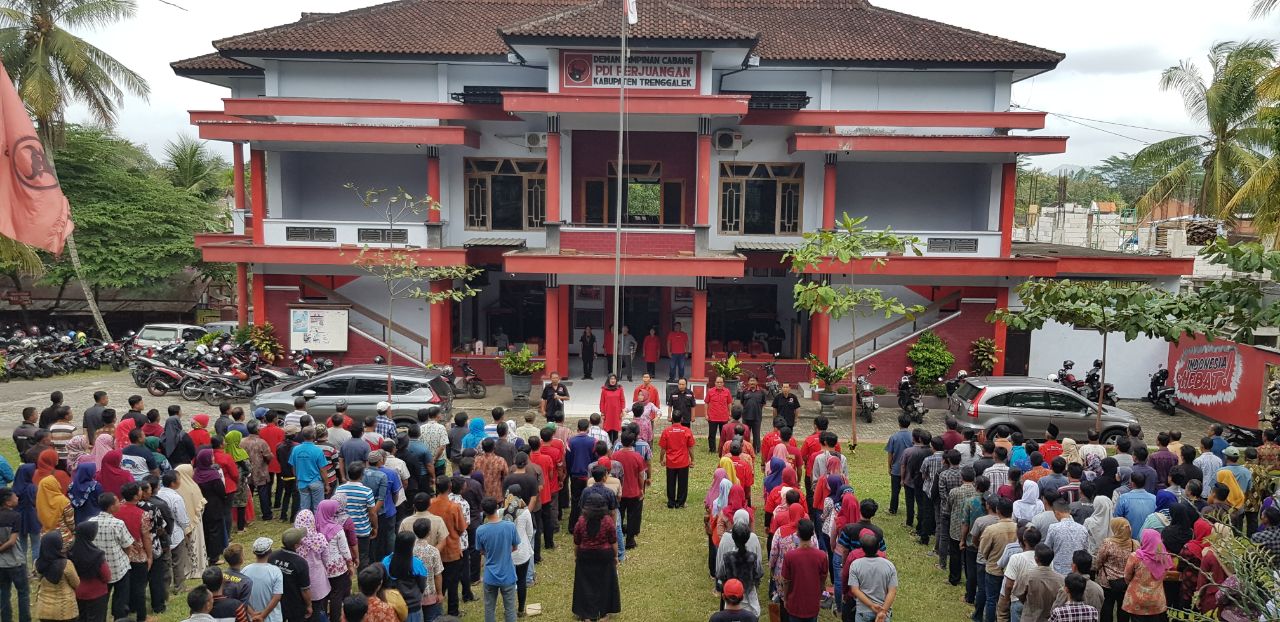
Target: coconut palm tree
{"type": "Point", "coordinates": [189, 165]}
{"type": "Point", "coordinates": [1236, 140]}
{"type": "Point", "coordinates": [53, 67]}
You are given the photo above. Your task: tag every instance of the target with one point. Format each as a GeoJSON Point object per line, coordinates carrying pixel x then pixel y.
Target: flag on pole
{"type": "Point", "coordinates": [633, 15]}
{"type": "Point", "coordinates": [33, 209]}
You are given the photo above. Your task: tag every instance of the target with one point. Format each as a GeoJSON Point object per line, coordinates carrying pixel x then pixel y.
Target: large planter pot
{"type": "Point", "coordinates": [732, 386]}
{"type": "Point", "coordinates": [827, 399]}
{"type": "Point", "coordinates": [520, 388]}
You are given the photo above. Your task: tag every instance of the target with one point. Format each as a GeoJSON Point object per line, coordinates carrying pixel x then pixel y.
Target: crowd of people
{"type": "Point", "coordinates": [1068, 531]}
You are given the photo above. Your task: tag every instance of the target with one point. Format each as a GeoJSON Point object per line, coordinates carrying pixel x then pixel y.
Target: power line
{"type": "Point", "coordinates": [1136, 127]}
{"type": "Point", "coordinates": [1105, 131]}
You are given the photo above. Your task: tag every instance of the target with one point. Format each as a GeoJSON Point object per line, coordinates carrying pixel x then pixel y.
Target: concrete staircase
{"type": "Point", "coordinates": [902, 329]}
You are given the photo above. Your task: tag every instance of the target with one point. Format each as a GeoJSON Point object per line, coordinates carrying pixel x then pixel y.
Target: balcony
{"type": "Point", "coordinates": [957, 244]}
{"type": "Point", "coordinates": [636, 241]}
{"type": "Point", "coordinates": [281, 232]}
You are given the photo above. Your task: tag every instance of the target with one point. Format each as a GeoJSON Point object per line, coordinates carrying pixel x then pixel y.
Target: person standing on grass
{"type": "Point", "coordinates": [898, 444]}
{"type": "Point", "coordinates": [497, 539]}
{"type": "Point", "coordinates": [296, 602]}
{"type": "Point", "coordinates": [1075, 609]}
{"type": "Point", "coordinates": [595, 579]}
{"type": "Point", "coordinates": [268, 584]}
{"type": "Point", "coordinates": [308, 464]}
{"type": "Point", "coordinates": [732, 594]}
{"type": "Point", "coordinates": [450, 549]}
{"type": "Point", "coordinates": [91, 568]}
{"type": "Point", "coordinates": [957, 502]}
{"type": "Point", "coordinates": [804, 576]}
{"type": "Point", "coordinates": [676, 445]}
{"type": "Point", "coordinates": [992, 543]}
{"type": "Point", "coordinates": [407, 574]}
{"type": "Point", "coordinates": [1037, 587]}
{"type": "Point", "coordinates": [719, 400]}
{"type": "Point", "coordinates": [13, 561]}
{"type": "Point", "coordinates": [634, 483]}
{"type": "Point", "coordinates": [259, 462]}
{"type": "Point", "coordinates": [873, 581]}
{"type": "Point", "coordinates": [429, 555]}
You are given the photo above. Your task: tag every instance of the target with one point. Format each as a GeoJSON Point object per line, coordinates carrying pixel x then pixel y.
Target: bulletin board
{"type": "Point", "coordinates": [320, 329]}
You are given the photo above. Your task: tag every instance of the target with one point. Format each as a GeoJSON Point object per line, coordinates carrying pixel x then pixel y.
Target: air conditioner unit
{"type": "Point", "coordinates": [535, 140]}
{"type": "Point", "coordinates": [727, 140]}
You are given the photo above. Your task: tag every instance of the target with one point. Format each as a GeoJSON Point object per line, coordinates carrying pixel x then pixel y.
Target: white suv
{"type": "Point", "coordinates": [158, 335]}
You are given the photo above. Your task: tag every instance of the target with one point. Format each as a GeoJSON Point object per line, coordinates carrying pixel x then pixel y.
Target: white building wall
{"type": "Point", "coordinates": [357, 80]}
{"type": "Point", "coordinates": [767, 79]}
{"type": "Point", "coordinates": [920, 90]}
{"type": "Point", "coordinates": [767, 144]}
{"type": "Point", "coordinates": [916, 195]}
{"type": "Point", "coordinates": [497, 140]}
{"type": "Point", "coordinates": [1129, 364]}
{"type": "Point", "coordinates": [842, 329]}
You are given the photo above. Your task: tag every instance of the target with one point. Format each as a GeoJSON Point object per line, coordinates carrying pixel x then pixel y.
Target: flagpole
{"type": "Point", "coordinates": [617, 221]}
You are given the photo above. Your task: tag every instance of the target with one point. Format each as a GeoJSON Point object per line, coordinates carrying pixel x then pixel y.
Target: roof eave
{"type": "Point", "coordinates": [634, 42]}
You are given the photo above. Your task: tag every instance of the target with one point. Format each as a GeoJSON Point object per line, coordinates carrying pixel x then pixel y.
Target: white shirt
{"type": "Point", "coordinates": [401, 469]}
{"type": "Point", "coordinates": [179, 509]}
{"type": "Point", "coordinates": [338, 436]}
{"type": "Point", "coordinates": [524, 526]}
{"type": "Point", "coordinates": [1091, 448]}
{"type": "Point", "coordinates": [1018, 563]}
{"type": "Point", "coordinates": [294, 418]}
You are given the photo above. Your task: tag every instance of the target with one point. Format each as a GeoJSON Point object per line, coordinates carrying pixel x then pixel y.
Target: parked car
{"type": "Point", "coordinates": [1029, 405]}
{"type": "Point", "coordinates": [362, 387]}
{"type": "Point", "coordinates": [157, 335]}
{"type": "Point", "coordinates": [228, 326]}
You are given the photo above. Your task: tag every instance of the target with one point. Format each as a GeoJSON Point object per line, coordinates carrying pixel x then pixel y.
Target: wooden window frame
{"type": "Point", "coordinates": [472, 173]}
{"type": "Point", "coordinates": [728, 176]}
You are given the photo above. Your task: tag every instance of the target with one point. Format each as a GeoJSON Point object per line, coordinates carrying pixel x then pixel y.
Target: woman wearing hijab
{"type": "Point", "coordinates": [834, 488]}
{"type": "Point", "coordinates": [612, 402]}
{"type": "Point", "coordinates": [724, 519]}
{"type": "Point", "coordinates": [714, 490]}
{"type": "Point", "coordinates": [1110, 563]}
{"type": "Point", "coordinates": [740, 518]}
{"type": "Point", "coordinates": [1191, 566]}
{"type": "Point", "coordinates": [338, 564]}
{"type": "Point", "coordinates": [54, 511]}
{"type": "Point", "coordinates": [58, 582]}
{"type": "Point", "coordinates": [47, 466]}
{"type": "Point", "coordinates": [595, 577]}
{"type": "Point", "coordinates": [84, 493]}
{"type": "Point", "coordinates": [1159, 519]}
{"type": "Point", "coordinates": [1070, 451]}
{"type": "Point", "coordinates": [406, 573]}
{"type": "Point", "coordinates": [199, 432]}
{"type": "Point", "coordinates": [122, 432]}
{"type": "Point", "coordinates": [111, 476]}
{"type": "Point", "coordinates": [740, 562]}
{"type": "Point", "coordinates": [773, 473]}
{"type": "Point", "coordinates": [1098, 523]}
{"type": "Point", "coordinates": [775, 497]}
{"type": "Point", "coordinates": [90, 565]}
{"type": "Point", "coordinates": [722, 486]}
{"type": "Point", "coordinates": [239, 489]}
{"type": "Point", "coordinates": [1026, 508]}
{"type": "Point", "coordinates": [152, 443]}
{"type": "Point", "coordinates": [194, 499]}
{"type": "Point", "coordinates": [731, 471]}
{"type": "Point", "coordinates": [475, 434]}
{"type": "Point", "coordinates": [1106, 482]}
{"type": "Point", "coordinates": [101, 447]}
{"type": "Point", "coordinates": [78, 452]}
{"type": "Point", "coordinates": [1175, 537]}
{"type": "Point", "coordinates": [209, 479]}
{"type": "Point", "coordinates": [176, 443]}
{"type": "Point", "coordinates": [1144, 599]}
{"type": "Point", "coordinates": [1123, 483]}
{"type": "Point", "coordinates": [314, 548]}
{"type": "Point", "coordinates": [1235, 496]}
{"type": "Point", "coordinates": [784, 537]}
{"type": "Point", "coordinates": [28, 521]}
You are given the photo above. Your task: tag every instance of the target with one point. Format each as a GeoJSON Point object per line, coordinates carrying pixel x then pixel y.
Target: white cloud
{"type": "Point", "coordinates": [1115, 52]}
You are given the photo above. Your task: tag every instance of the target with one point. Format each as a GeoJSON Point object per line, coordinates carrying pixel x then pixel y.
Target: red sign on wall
{"type": "Point", "coordinates": [647, 71]}
{"type": "Point", "coordinates": [20, 298]}
{"type": "Point", "coordinates": [1208, 374]}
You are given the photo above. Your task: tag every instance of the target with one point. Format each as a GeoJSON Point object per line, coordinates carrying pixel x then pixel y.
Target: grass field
{"type": "Point", "coordinates": [665, 578]}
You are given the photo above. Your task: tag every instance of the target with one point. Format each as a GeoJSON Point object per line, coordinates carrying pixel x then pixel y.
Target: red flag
{"type": "Point", "coordinates": [33, 209]}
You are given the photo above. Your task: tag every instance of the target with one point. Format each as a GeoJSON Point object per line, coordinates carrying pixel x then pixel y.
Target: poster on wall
{"type": "Point", "coordinates": [1208, 374]}
{"type": "Point", "coordinates": [654, 71]}
{"type": "Point", "coordinates": [1271, 393]}
{"type": "Point", "coordinates": [321, 330]}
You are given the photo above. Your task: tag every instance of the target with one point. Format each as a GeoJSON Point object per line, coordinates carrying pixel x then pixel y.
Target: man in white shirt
{"type": "Point", "coordinates": [113, 538]}
{"type": "Point", "coordinates": [1019, 563]}
{"type": "Point", "coordinates": [299, 411]}
{"type": "Point", "coordinates": [179, 543]}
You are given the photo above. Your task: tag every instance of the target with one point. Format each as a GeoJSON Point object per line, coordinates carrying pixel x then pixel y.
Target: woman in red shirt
{"type": "Point", "coordinates": [612, 402]}
{"type": "Point", "coordinates": [595, 577]}
{"type": "Point", "coordinates": [652, 350]}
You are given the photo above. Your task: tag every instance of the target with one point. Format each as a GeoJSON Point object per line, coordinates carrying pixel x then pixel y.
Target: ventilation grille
{"type": "Point", "coordinates": [310, 234]}
{"type": "Point", "coordinates": [382, 236]}
{"type": "Point", "coordinates": [953, 245]}
{"type": "Point", "coordinates": [774, 100]}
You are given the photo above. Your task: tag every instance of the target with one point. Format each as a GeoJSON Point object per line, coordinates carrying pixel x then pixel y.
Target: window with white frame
{"type": "Point", "coordinates": [505, 194]}
{"type": "Point", "coordinates": [761, 198]}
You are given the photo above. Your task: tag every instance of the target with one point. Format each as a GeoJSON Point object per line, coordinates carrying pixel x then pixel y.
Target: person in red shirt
{"type": "Point", "coordinates": [804, 576]}
{"type": "Point", "coordinates": [1050, 448]}
{"type": "Point", "coordinates": [676, 445]}
{"type": "Point", "coordinates": [812, 446]}
{"type": "Point", "coordinates": [273, 434]}
{"type": "Point", "coordinates": [718, 401]}
{"type": "Point", "coordinates": [772, 438]}
{"type": "Point", "coordinates": [952, 436]}
{"type": "Point", "coordinates": [744, 466]}
{"type": "Point", "coordinates": [730, 429]}
{"type": "Point", "coordinates": [550, 486]}
{"type": "Point", "coordinates": [652, 349]}
{"type": "Point", "coordinates": [647, 388]}
{"type": "Point", "coordinates": [678, 348]}
{"type": "Point", "coordinates": [612, 402]}
{"type": "Point", "coordinates": [634, 483]}
{"type": "Point", "coordinates": [740, 432]}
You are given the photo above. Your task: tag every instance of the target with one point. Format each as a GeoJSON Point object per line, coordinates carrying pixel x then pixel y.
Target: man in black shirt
{"type": "Point", "coordinates": [752, 398]}
{"type": "Point", "coordinates": [588, 353]}
{"type": "Point", "coordinates": [682, 401]}
{"type": "Point", "coordinates": [24, 434]}
{"type": "Point", "coordinates": [296, 601]}
{"type": "Point", "coordinates": [49, 416]}
{"type": "Point", "coordinates": [224, 607]}
{"type": "Point", "coordinates": [223, 421]}
{"type": "Point", "coordinates": [988, 458]}
{"type": "Point", "coordinates": [785, 405]}
{"type": "Point", "coordinates": [554, 395]}
{"type": "Point", "coordinates": [137, 411]}
{"type": "Point", "coordinates": [521, 476]}
{"type": "Point", "coordinates": [93, 416]}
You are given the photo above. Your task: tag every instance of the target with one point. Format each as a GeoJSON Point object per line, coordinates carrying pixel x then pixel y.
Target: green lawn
{"type": "Point", "coordinates": [666, 577]}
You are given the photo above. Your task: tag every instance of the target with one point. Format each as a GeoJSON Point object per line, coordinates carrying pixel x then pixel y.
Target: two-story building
{"type": "Point", "coordinates": [746, 123]}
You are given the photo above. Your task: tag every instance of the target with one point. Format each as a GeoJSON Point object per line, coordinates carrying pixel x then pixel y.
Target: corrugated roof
{"type": "Point", "coordinates": [761, 245]}
{"type": "Point", "coordinates": [515, 242]}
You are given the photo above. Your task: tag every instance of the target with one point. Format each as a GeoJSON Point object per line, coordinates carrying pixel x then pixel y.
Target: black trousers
{"type": "Point", "coordinates": [970, 573]}
{"type": "Point", "coordinates": [895, 489]}
{"type": "Point", "coordinates": [954, 561]}
{"type": "Point", "coordinates": [93, 610]}
{"type": "Point", "coordinates": [548, 524]}
{"type": "Point", "coordinates": [631, 509]}
{"type": "Point", "coordinates": [130, 594]}
{"type": "Point", "coordinates": [576, 486]}
{"type": "Point", "coordinates": [522, 585]}
{"type": "Point", "coordinates": [588, 366]}
{"type": "Point", "coordinates": [536, 519]}
{"type": "Point", "coordinates": [652, 368]}
{"type": "Point", "coordinates": [677, 486]}
{"type": "Point", "coordinates": [158, 582]}
{"type": "Point", "coordinates": [910, 494]}
{"type": "Point", "coordinates": [452, 578]}
{"type": "Point", "coordinates": [264, 501]}
{"type": "Point", "coordinates": [289, 500]}
{"type": "Point", "coordinates": [712, 428]}
{"type": "Point", "coordinates": [1112, 598]}
{"type": "Point", "coordinates": [755, 434]}
{"type": "Point", "coordinates": [924, 505]}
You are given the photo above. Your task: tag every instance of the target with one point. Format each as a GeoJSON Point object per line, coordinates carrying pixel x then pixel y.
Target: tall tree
{"type": "Point", "coordinates": [190, 165]}
{"type": "Point", "coordinates": [1235, 140]}
{"type": "Point", "coordinates": [53, 67]}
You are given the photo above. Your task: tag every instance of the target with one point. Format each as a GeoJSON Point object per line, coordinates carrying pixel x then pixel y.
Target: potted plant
{"type": "Point", "coordinates": [828, 376]}
{"type": "Point", "coordinates": [520, 366]}
{"type": "Point", "coordinates": [729, 369]}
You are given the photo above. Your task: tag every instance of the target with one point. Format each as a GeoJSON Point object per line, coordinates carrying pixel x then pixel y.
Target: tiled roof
{"type": "Point", "coordinates": [789, 30]}
{"type": "Point", "coordinates": [212, 63]}
{"type": "Point", "coordinates": [660, 19]}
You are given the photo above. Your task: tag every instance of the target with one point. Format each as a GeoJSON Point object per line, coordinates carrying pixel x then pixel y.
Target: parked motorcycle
{"type": "Point", "coordinates": [1068, 379]}
{"type": "Point", "coordinates": [909, 399]}
{"type": "Point", "coordinates": [1160, 394]}
{"type": "Point", "coordinates": [1094, 386]}
{"type": "Point", "coordinates": [866, 395]}
{"type": "Point", "coordinates": [468, 383]}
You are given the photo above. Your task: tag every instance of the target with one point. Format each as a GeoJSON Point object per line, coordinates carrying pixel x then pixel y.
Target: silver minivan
{"type": "Point", "coordinates": [362, 387]}
{"type": "Point", "coordinates": [1029, 405]}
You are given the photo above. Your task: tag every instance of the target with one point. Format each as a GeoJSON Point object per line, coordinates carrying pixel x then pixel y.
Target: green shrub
{"type": "Point", "coordinates": [931, 358]}
{"type": "Point", "coordinates": [984, 355]}
{"type": "Point", "coordinates": [519, 362]}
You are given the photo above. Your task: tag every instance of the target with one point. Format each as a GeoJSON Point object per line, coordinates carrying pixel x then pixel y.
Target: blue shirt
{"type": "Point", "coordinates": [582, 452]}
{"type": "Point", "coordinates": [376, 480]}
{"type": "Point", "coordinates": [393, 487]}
{"type": "Point", "coordinates": [307, 461]}
{"type": "Point", "coordinates": [1135, 506]}
{"type": "Point", "coordinates": [6, 473]}
{"type": "Point", "coordinates": [496, 540]}
{"type": "Point", "coordinates": [897, 444]}
{"type": "Point", "coordinates": [1243, 476]}
{"type": "Point", "coordinates": [1219, 444]}
{"type": "Point", "coordinates": [268, 581]}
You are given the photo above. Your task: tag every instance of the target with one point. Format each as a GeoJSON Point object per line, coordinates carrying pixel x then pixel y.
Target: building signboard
{"type": "Point", "coordinates": [645, 71]}
{"type": "Point", "coordinates": [319, 329]}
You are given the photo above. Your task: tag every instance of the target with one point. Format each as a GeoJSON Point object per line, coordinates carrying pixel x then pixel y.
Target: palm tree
{"type": "Point", "coordinates": [1262, 8]}
{"type": "Point", "coordinates": [189, 165]}
{"type": "Point", "coordinates": [53, 67]}
{"type": "Point", "coordinates": [1235, 143]}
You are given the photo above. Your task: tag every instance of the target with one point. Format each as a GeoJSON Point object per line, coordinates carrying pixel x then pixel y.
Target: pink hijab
{"type": "Point", "coordinates": [714, 490]}
{"type": "Point", "coordinates": [328, 519]}
{"type": "Point", "coordinates": [1152, 554]}
{"type": "Point", "coordinates": [101, 447]}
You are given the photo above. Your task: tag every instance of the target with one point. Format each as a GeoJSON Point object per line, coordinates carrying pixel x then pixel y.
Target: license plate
{"type": "Point", "coordinates": [867, 401]}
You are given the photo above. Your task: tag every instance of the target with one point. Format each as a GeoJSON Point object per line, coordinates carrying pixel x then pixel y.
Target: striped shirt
{"type": "Point", "coordinates": [59, 435]}
{"type": "Point", "coordinates": [357, 499]}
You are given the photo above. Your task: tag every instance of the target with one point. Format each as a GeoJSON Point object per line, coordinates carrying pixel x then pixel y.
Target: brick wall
{"type": "Point", "coordinates": [633, 243]}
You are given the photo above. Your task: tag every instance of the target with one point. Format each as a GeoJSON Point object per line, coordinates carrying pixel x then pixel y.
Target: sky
{"type": "Point", "coordinates": [1116, 50]}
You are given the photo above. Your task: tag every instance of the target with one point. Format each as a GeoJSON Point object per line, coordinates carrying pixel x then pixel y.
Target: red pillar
{"type": "Point", "coordinates": [1008, 192]}
{"type": "Point", "coordinates": [698, 334]}
{"type": "Point", "coordinates": [704, 179]}
{"type": "Point", "coordinates": [820, 335]}
{"type": "Point", "coordinates": [566, 335]}
{"type": "Point", "coordinates": [553, 177]}
{"type": "Point", "coordinates": [259, 299]}
{"type": "Point", "coordinates": [258, 183]}
{"type": "Point", "coordinates": [242, 294]}
{"type": "Point", "coordinates": [551, 347]}
{"type": "Point", "coordinates": [433, 185]}
{"type": "Point", "coordinates": [440, 334]}
{"type": "Point", "coordinates": [1000, 331]}
{"type": "Point", "coordinates": [829, 194]}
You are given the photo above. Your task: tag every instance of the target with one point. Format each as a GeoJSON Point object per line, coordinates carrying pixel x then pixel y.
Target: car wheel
{"type": "Point", "coordinates": [1109, 437]}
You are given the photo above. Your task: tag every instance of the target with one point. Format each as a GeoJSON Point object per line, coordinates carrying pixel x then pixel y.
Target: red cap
{"type": "Point", "coordinates": [732, 589]}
